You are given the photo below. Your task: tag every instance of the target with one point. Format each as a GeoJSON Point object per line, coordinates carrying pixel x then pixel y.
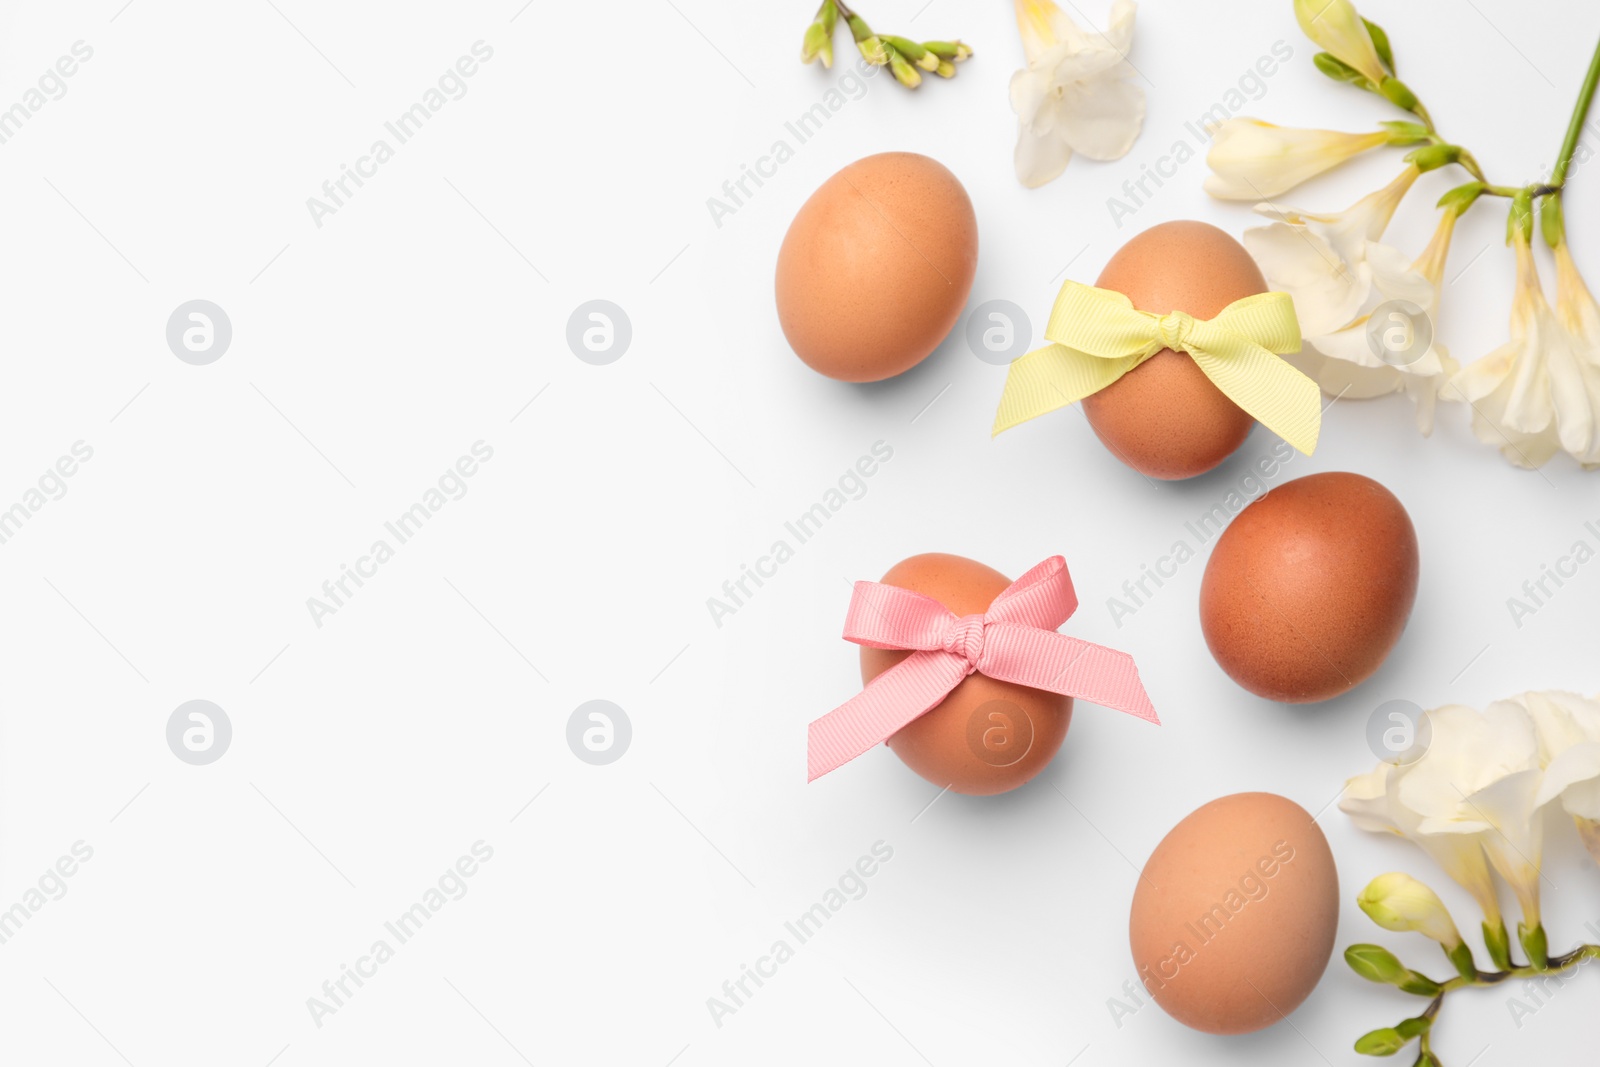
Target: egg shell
{"type": "Point", "coordinates": [1310, 586]}
{"type": "Point", "coordinates": [1234, 916]}
{"type": "Point", "coordinates": [1165, 418]}
{"type": "Point", "coordinates": [876, 267]}
{"type": "Point", "coordinates": [986, 736]}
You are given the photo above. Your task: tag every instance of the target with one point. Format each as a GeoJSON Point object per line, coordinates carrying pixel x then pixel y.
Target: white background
{"type": "Point", "coordinates": [368, 354]}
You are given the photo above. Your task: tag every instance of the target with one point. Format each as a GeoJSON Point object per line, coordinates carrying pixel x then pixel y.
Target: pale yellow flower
{"type": "Point", "coordinates": [1337, 28]}
{"type": "Point", "coordinates": [1076, 93]}
{"type": "Point", "coordinates": [1399, 902]}
{"type": "Point", "coordinates": [1539, 393]}
{"type": "Point", "coordinates": [1330, 263]}
{"type": "Point", "coordinates": [1254, 160]}
{"type": "Point", "coordinates": [1401, 351]}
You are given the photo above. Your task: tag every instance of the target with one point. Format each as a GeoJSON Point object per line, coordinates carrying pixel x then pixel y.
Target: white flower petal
{"type": "Point", "coordinates": [1102, 119]}
{"type": "Point", "coordinates": [1040, 159]}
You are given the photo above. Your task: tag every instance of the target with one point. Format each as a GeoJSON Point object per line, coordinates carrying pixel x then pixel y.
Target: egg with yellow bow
{"type": "Point", "coordinates": [1166, 418]}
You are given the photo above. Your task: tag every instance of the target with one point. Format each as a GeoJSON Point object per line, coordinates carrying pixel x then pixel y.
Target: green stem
{"type": "Point", "coordinates": [1580, 112]}
{"type": "Point", "coordinates": [1484, 979]}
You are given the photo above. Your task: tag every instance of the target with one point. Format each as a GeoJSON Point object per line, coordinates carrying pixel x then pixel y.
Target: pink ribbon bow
{"type": "Point", "coordinates": [1015, 641]}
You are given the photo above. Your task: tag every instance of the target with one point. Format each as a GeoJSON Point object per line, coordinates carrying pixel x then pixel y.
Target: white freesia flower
{"type": "Point", "coordinates": [1398, 902]}
{"type": "Point", "coordinates": [1569, 745]}
{"type": "Point", "coordinates": [1329, 264]}
{"type": "Point", "coordinates": [1480, 778]}
{"type": "Point", "coordinates": [1580, 317]}
{"type": "Point", "coordinates": [1335, 25]}
{"type": "Point", "coordinates": [1534, 395]}
{"type": "Point", "coordinates": [1254, 160]}
{"type": "Point", "coordinates": [1076, 93]}
{"type": "Point", "coordinates": [1346, 363]}
{"type": "Point", "coordinates": [1373, 803]}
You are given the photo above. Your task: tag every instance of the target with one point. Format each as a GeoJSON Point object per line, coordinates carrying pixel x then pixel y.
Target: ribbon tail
{"type": "Point", "coordinates": [900, 694]}
{"type": "Point", "coordinates": [1053, 377]}
{"type": "Point", "coordinates": [1276, 394]}
{"type": "Point", "coordinates": [1238, 350]}
{"type": "Point", "coordinates": [1070, 666]}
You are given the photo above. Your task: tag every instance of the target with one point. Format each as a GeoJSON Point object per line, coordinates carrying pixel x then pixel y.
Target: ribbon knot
{"type": "Point", "coordinates": [1015, 641]}
{"type": "Point", "coordinates": [1098, 336]}
{"type": "Point", "coordinates": [965, 639]}
{"type": "Point", "coordinates": [1174, 329]}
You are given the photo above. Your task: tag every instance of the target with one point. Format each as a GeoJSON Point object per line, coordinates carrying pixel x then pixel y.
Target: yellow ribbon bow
{"type": "Point", "coordinates": [1100, 336]}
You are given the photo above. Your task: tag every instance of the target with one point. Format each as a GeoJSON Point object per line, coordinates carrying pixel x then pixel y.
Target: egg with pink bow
{"type": "Point", "coordinates": [986, 736]}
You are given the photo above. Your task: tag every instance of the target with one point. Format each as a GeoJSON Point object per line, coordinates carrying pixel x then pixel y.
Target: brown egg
{"type": "Point", "coordinates": [1165, 418]}
{"type": "Point", "coordinates": [1310, 586]}
{"type": "Point", "coordinates": [987, 736]}
{"type": "Point", "coordinates": [876, 267]}
{"type": "Point", "coordinates": [1234, 917]}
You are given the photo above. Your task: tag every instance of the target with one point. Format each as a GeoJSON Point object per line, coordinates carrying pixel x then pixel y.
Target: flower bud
{"type": "Point", "coordinates": [1404, 134]}
{"type": "Point", "coordinates": [1398, 93]}
{"type": "Point", "coordinates": [1336, 28]}
{"type": "Point", "coordinates": [1384, 1042]}
{"type": "Point", "coordinates": [1375, 963]}
{"type": "Point", "coordinates": [904, 72]}
{"type": "Point", "coordinates": [817, 45]}
{"type": "Point", "coordinates": [954, 51]}
{"type": "Point", "coordinates": [1340, 71]}
{"type": "Point", "coordinates": [867, 42]}
{"type": "Point", "coordinates": [1433, 156]}
{"type": "Point", "coordinates": [945, 69]}
{"type": "Point", "coordinates": [1399, 902]}
{"type": "Point", "coordinates": [914, 52]}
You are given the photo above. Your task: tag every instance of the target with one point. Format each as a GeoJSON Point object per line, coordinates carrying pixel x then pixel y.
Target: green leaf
{"type": "Point", "coordinates": [1534, 942]}
{"type": "Point", "coordinates": [1375, 963]}
{"type": "Point", "coordinates": [1380, 41]}
{"type": "Point", "coordinates": [1461, 955]}
{"type": "Point", "coordinates": [1409, 1028]}
{"type": "Point", "coordinates": [1459, 199]}
{"type": "Point", "coordinates": [1384, 1042]}
{"type": "Point", "coordinates": [1520, 220]}
{"type": "Point", "coordinates": [1498, 942]}
{"type": "Point", "coordinates": [1551, 222]}
{"type": "Point", "coordinates": [1340, 71]}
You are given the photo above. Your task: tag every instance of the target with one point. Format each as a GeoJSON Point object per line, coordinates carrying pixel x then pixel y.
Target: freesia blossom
{"type": "Point", "coordinates": [1480, 778]}
{"type": "Point", "coordinates": [1076, 93]}
{"type": "Point", "coordinates": [1347, 363]}
{"type": "Point", "coordinates": [1254, 160]}
{"type": "Point", "coordinates": [1399, 902]}
{"type": "Point", "coordinates": [1337, 28]}
{"type": "Point", "coordinates": [1569, 743]}
{"type": "Point", "coordinates": [1329, 263]}
{"type": "Point", "coordinates": [1373, 803]}
{"type": "Point", "coordinates": [1580, 317]}
{"type": "Point", "coordinates": [1534, 395]}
